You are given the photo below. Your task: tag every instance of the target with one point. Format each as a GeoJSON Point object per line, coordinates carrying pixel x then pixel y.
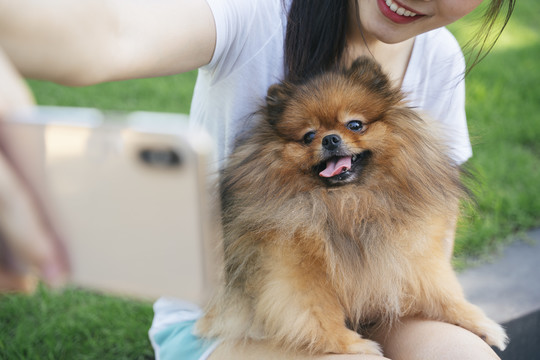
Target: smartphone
{"type": "Point", "coordinates": [130, 193]}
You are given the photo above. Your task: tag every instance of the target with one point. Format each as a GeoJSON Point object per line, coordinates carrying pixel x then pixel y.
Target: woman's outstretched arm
{"type": "Point", "coordinates": [85, 42]}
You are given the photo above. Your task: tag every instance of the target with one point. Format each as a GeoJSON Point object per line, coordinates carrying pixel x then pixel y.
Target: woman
{"type": "Point", "coordinates": [241, 47]}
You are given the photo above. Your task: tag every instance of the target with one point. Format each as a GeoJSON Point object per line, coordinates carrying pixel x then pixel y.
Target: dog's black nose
{"type": "Point", "coordinates": [331, 142]}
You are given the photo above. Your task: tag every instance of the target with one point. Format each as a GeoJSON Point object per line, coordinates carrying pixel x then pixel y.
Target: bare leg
{"type": "Point", "coordinates": [412, 339]}
{"type": "Point", "coordinates": [427, 339]}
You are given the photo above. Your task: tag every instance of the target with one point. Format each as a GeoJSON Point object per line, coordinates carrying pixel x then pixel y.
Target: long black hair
{"type": "Point", "coordinates": [315, 37]}
{"type": "Point", "coordinates": [316, 34]}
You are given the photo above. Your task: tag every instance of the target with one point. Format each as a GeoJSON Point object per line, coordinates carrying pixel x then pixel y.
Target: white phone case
{"type": "Point", "coordinates": [131, 194]}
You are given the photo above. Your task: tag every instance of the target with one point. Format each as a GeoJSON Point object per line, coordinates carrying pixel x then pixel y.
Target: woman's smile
{"type": "Point", "coordinates": [394, 21]}
{"type": "Point", "coordinates": [397, 12]}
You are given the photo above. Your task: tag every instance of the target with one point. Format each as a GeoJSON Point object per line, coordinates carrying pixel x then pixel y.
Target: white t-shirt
{"type": "Point", "coordinates": [249, 58]}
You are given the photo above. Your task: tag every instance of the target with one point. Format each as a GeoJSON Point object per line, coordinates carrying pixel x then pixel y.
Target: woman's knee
{"type": "Point", "coordinates": [427, 339]}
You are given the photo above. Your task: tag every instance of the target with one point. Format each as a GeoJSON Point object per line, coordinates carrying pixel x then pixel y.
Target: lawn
{"type": "Point", "coordinates": [503, 109]}
{"type": "Point", "coordinates": [503, 106]}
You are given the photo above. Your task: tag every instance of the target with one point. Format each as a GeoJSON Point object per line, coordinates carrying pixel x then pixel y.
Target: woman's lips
{"type": "Point", "coordinates": [397, 12]}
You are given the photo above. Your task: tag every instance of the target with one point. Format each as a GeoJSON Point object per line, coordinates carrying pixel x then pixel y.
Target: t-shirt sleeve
{"type": "Point", "coordinates": [231, 18]}
{"type": "Point", "coordinates": [247, 59]}
{"type": "Point", "coordinates": [242, 29]}
{"type": "Point", "coordinates": [435, 84]}
{"type": "Point", "coordinates": [451, 110]}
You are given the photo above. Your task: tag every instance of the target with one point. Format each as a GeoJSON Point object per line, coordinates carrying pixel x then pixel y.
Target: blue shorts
{"type": "Point", "coordinates": [172, 333]}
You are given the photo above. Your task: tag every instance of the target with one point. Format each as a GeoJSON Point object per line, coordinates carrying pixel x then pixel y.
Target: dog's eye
{"type": "Point", "coordinates": [355, 125]}
{"type": "Point", "coordinates": [308, 137]}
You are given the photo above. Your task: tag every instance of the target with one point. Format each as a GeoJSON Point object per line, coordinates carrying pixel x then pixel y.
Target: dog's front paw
{"type": "Point", "coordinates": [487, 329]}
{"type": "Point", "coordinates": [492, 333]}
{"type": "Point", "coordinates": [472, 318]}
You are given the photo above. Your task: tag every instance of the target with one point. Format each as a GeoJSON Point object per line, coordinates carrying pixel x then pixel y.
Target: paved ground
{"type": "Point", "coordinates": [508, 289]}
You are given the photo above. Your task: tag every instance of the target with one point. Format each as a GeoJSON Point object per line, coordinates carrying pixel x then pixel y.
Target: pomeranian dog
{"type": "Point", "coordinates": [334, 213]}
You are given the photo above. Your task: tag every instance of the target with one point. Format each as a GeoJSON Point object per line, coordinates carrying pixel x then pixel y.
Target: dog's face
{"type": "Point", "coordinates": [331, 126]}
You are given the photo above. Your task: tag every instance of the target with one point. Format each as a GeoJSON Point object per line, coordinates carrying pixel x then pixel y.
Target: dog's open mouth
{"type": "Point", "coordinates": [337, 169]}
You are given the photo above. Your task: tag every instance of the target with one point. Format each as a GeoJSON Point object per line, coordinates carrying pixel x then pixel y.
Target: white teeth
{"type": "Point", "coordinates": [353, 158]}
{"type": "Point", "coordinates": [399, 10]}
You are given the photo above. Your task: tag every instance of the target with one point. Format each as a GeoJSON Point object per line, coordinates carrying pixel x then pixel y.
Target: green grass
{"type": "Point", "coordinates": [503, 106]}
{"type": "Point", "coordinates": [503, 109]}
{"type": "Point", "coordinates": [73, 324]}
{"type": "Point", "coordinates": [166, 94]}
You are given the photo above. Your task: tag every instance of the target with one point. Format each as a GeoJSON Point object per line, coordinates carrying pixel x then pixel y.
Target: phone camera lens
{"type": "Point", "coordinates": [163, 158]}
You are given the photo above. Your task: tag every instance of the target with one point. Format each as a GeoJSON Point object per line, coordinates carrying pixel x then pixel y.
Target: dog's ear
{"type": "Point", "coordinates": [367, 72]}
{"type": "Point", "coordinates": [276, 100]}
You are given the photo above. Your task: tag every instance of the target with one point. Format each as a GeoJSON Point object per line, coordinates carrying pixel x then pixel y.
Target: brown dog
{"type": "Point", "coordinates": [335, 212]}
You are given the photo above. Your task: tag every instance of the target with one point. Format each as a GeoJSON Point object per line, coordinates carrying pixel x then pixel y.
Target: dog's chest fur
{"type": "Point", "coordinates": [370, 268]}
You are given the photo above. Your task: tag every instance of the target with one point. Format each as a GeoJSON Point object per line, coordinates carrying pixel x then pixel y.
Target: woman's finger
{"type": "Point", "coordinates": [23, 229]}
{"type": "Point", "coordinates": [12, 282]}
{"type": "Point", "coordinates": [30, 243]}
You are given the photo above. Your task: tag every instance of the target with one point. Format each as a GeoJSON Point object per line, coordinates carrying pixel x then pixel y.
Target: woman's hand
{"type": "Point", "coordinates": [29, 246]}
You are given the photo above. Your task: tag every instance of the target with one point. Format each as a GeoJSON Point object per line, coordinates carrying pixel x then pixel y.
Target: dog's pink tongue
{"type": "Point", "coordinates": [336, 166]}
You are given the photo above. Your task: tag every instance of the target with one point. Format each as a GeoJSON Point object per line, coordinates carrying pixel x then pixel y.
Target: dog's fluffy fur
{"type": "Point", "coordinates": [310, 258]}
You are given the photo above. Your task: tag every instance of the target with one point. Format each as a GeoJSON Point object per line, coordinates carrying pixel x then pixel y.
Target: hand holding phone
{"type": "Point", "coordinates": [29, 247]}
{"type": "Point", "coordinates": [130, 192]}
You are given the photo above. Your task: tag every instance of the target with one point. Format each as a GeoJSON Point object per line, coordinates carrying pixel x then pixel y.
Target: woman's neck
{"type": "Point", "coordinates": [394, 58]}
